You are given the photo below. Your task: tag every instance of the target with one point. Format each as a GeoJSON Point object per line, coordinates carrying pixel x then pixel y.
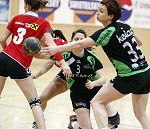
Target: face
{"type": "Point", "coordinates": [78, 36]}
{"type": "Point", "coordinates": [102, 15]}
{"type": "Point", "coordinates": [25, 7]}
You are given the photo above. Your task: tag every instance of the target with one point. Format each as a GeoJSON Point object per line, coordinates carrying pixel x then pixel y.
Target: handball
{"type": "Point", "coordinates": [31, 46]}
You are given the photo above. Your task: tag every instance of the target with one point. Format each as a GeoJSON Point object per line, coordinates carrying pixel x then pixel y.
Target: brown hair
{"type": "Point", "coordinates": [58, 33]}
{"type": "Point", "coordinates": [36, 4]}
{"type": "Point", "coordinates": [82, 32]}
{"type": "Point", "coordinates": [113, 8]}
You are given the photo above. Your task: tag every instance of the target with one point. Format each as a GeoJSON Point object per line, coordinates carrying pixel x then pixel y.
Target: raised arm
{"type": "Point", "coordinates": [84, 43]}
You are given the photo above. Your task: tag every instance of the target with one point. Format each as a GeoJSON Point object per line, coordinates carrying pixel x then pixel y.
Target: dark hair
{"type": "Point", "coordinates": [58, 33]}
{"type": "Point", "coordinates": [78, 31]}
{"type": "Point", "coordinates": [114, 8]}
{"type": "Point", "coordinates": [36, 4]}
{"type": "Point", "coordinates": [84, 33]}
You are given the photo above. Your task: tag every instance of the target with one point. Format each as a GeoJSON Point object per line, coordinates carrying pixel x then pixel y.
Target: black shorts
{"type": "Point", "coordinates": [10, 67]}
{"type": "Point", "coordinates": [61, 76]}
{"type": "Point", "coordinates": [82, 99]}
{"type": "Point", "coordinates": [136, 84]}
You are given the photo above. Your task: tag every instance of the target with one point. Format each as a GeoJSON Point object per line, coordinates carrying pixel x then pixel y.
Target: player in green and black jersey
{"type": "Point", "coordinates": [86, 80]}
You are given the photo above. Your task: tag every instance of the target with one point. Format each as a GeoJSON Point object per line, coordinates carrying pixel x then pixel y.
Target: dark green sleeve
{"type": "Point", "coordinates": [94, 61]}
{"type": "Point", "coordinates": [102, 37]}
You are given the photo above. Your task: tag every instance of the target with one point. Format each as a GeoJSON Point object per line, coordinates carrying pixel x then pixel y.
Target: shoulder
{"type": "Point", "coordinates": [17, 16]}
{"type": "Point", "coordinates": [59, 41]}
{"type": "Point", "coordinates": [121, 24]}
{"type": "Point", "coordinates": [91, 53]}
{"type": "Point", "coordinates": [44, 20]}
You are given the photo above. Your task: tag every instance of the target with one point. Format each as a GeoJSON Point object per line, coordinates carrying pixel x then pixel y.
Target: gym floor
{"type": "Point", "coordinates": [15, 112]}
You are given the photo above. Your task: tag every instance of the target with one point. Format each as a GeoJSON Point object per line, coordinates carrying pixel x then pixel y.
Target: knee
{"type": "Point", "coordinates": [61, 87]}
{"type": "Point", "coordinates": [139, 114]}
{"type": "Point", "coordinates": [64, 88]}
{"type": "Point", "coordinates": [43, 98]}
{"type": "Point", "coordinates": [114, 120]}
{"type": "Point", "coordinates": [35, 101]}
{"type": "Point", "coordinates": [95, 102]}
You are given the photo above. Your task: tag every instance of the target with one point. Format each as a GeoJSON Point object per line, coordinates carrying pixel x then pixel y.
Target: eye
{"type": "Point", "coordinates": [76, 39]}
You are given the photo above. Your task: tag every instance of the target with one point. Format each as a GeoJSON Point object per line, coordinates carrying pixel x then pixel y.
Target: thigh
{"type": "Point", "coordinates": [139, 102]}
{"type": "Point", "coordinates": [28, 87]}
{"type": "Point", "coordinates": [3, 65]}
{"type": "Point", "coordinates": [2, 83]}
{"type": "Point", "coordinates": [107, 94]}
{"type": "Point", "coordinates": [83, 117]}
{"type": "Point", "coordinates": [79, 100]}
{"type": "Point", "coordinates": [55, 87]}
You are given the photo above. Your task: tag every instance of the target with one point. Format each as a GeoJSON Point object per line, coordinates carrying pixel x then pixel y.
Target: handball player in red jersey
{"type": "Point", "coordinates": [14, 62]}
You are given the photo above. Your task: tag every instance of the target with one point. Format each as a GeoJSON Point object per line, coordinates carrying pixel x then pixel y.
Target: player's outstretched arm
{"type": "Point", "coordinates": [46, 67]}
{"type": "Point", "coordinates": [84, 43]}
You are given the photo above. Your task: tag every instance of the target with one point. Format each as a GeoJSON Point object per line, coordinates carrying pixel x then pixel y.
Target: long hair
{"type": "Point", "coordinates": [58, 33]}
{"type": "Point", "coordinates": [36, 4]}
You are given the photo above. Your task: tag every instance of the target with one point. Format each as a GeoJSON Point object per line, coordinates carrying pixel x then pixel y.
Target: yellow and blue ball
{"type": "Point", "coordinates": [31, 46]}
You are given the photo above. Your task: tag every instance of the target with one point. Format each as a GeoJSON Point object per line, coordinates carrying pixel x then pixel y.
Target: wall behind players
{"type": "Point", "coordinates": [68, 29]}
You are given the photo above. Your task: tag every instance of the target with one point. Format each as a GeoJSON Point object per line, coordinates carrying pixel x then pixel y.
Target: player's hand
{"type": "Point", "coordinates": [50, 50]}
{"type": "Point", "coordinates": [66, 70]}
{"type": "Point", "coordinates": [89, 84]}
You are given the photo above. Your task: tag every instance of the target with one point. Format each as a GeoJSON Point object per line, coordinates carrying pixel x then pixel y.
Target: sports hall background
{"type": "Point", "coordinates": [58, 112]}
{"type": "Point", "coordinates": [144, 34]}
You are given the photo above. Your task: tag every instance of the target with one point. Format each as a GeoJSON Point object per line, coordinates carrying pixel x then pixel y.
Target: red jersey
{"type": "Point", "coordinates": [58, 42]}
{"type": "Point", "coordinates": [23, 26]}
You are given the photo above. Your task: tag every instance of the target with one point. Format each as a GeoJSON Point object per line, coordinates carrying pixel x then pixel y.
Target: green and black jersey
{"type": "Point", "coordinates": [118, 42]}
{"type": "Point", "coordinates": [82, 68]}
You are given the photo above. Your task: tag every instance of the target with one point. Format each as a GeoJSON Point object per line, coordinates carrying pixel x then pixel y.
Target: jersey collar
{"type": "Point", "coordinates": [31, 14]}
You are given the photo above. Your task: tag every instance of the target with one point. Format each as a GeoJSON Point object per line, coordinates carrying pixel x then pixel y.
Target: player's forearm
{"type": "Point", "coordinates": [3, 44]}
{"type": "Point", "coordinates": [40, 55]}
{"type": "Point", "coordinates": [69, 47]}
{"type": "Point", "coordinates": [101, 81]}
{"type": "Point", "coordinates": [46, 67]}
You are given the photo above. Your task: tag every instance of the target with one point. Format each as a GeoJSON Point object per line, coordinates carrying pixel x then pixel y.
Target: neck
{"type": "Point", "coordinates": [107, 23]}
{"type": "Point", "coordinates": [79, 53]}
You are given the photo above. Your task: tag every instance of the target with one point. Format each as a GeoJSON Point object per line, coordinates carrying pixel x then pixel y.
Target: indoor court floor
{"type": "Point", "coordinates": [15, 112]}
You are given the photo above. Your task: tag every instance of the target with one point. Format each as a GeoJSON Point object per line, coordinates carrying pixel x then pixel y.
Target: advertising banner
{"type": "Point", "coordinates": [4, 11]}
{"type": "Point", "coordinates": [136, 12]}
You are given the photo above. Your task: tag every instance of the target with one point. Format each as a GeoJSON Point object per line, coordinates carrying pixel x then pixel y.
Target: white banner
{"type": "Point", "coordinates": [136, 12]}
{"type": "Point", "coordinates": [4, 11]}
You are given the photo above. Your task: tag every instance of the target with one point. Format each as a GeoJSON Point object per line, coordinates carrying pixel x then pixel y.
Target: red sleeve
{"type": "Point", "coordinates": [58, 56]}
{"type": "Point", "coordinates": [48, 28]}
{"type": "Point", "coordinates": [11, 24]}
{"type": "Point", "coordinates": [58, 42]}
